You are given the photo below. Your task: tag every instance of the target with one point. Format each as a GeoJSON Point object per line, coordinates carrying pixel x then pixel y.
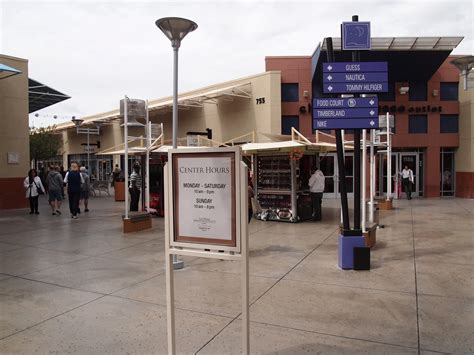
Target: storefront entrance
{"type": "Point", "coordinates": [414, 161]}
{"type": "Point", "coordinates": [329, 167]}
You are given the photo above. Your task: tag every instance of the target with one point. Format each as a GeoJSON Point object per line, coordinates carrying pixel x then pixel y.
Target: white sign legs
{"type": "Point", "coordinates": [245, 260]}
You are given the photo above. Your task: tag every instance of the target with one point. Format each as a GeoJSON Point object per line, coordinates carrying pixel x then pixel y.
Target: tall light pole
{"type": "Point", "coordinates": [88, 131]}
{"type": "Point", "coordinates": [175, 29]}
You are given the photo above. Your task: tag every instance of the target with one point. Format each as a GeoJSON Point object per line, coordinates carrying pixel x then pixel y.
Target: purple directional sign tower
{"type": "Point", "coordinates": [350, 78]}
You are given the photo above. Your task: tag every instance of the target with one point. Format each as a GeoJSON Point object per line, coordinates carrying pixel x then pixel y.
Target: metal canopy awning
{"type": "Point", "coordinates": [410, 59]}
{"type": "Point", "coordinates": [228, 93]}
{"type": "Point", "coordinates": [41, 96]}
{"type": "Point", "coordinates": [185, 101]}
{"type": "Point", "coordinates": [6, 71]}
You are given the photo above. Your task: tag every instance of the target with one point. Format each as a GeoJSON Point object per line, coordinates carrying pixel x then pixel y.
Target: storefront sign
{"type": "Point", "coordinates": [204, 197]}
{"type": "Point", "coordinates": [345, 123]}
{"type": "Point", "coordinates": [354, 67]}
{"type": "Point", "coordinates": [355, 77]}
{"type": "Point", "coordinates": [366, 88]}
{"type": "Point", "coordinates": [337, 113]}
{"type": "Point", "coordinates": [353, 102]}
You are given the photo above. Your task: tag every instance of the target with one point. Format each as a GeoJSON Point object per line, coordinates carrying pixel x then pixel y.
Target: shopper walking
{"type": "Point", "coordinates": [74, 179]}
{"type": "Point", "coordinates": [407, 180]}
{"type": "Point", "coordinates": [55, 189]}
{"type": "Point", "coordinates": [85, 187]}
{"type": "Point", "coordinates": [34, 187]}
{"type": "Point", "coordinates": [135, 187]}
{"type": "Point", "coordinates": [316, 188]}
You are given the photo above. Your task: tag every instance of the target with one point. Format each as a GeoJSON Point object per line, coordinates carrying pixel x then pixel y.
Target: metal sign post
{"type": "Point", "coordinates": [206, 199]}
{"type": "Point", "coordinates": [125, 135]}
{"type": "Point", "coordinates": [389, 160]}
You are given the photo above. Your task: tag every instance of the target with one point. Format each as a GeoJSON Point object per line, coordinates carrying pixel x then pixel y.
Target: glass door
{"type": "Point", "coordinates": [382, 175]}
{"type": "Point", "coordinates": [327, 164]}
{"type": "Point", "coordinates": [447, 185]}
{"type": "Point", "coordinates": [329, 167]}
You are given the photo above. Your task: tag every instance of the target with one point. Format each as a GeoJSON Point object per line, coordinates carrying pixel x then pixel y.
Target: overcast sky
{"type": "Point", "coordinates": [96, 52]}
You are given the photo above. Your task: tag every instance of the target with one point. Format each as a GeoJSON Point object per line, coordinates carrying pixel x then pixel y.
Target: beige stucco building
{"type": "Point", "coordinates": [465, 152]}
{"type": "Point", "coordinates": [230, 109]}
{"type": "Point", "coordinates": [14, 134]}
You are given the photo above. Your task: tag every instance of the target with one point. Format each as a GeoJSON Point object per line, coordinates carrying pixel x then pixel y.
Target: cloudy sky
{"type": "Point", "coordinates": [96, 51]}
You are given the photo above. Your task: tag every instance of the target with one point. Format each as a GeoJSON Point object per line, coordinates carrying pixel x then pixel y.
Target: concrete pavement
{"type": "Point", "coordinates": [81, 286]}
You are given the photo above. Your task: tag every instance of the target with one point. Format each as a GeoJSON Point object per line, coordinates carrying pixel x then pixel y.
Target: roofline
{"type": "Point", "coordinates": [116, 112]}
{"type": "Point", "coordinates": [287, 56]}
{"type": "Point", "coordinates": [13, 58]}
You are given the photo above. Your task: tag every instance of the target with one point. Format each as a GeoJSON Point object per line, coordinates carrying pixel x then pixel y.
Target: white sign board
{"type": "Point", "coordinates": [205, 197]}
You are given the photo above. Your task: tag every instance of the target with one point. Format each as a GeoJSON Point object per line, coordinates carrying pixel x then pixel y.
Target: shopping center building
{"type": "Point", "coordinates": [19, 96]}
{"type": "Point", "coordinates": [433, 131]}
{"type": "Point", "coordinates": [433, 114]}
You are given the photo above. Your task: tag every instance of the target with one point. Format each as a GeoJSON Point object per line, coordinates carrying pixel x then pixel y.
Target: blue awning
{"type": "Point", "coordinates": [6, 71]}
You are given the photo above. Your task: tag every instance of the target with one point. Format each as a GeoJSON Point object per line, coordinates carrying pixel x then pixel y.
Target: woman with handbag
{"type": "Point", "coordinates": [34, 187]}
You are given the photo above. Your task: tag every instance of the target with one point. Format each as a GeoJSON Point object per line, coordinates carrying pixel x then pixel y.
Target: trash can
{"type": "Point", "coordinates": [376, 212]}
{"type": "Point", "coordinates": [119, 187]}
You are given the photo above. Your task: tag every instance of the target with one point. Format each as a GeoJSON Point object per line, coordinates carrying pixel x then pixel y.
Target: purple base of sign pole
{"type": "Point", "coordinates": [346, 250]}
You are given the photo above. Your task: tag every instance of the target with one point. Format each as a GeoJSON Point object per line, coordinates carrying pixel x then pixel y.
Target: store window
{"type": "Point", "coordinates": [449, 124]}
{"type": "Point", "coordinates": [418, 91]}
{"type": "Point", "coordinates": [289, 93]}
{"type": "Point", "coordinates": [289, 121]}
{"type": "Point", "coordinates": [417, 124]}
{"type": "Point", "coordinates": [449, 91]}
{"type": "Point", "coordinates": [447, 175]}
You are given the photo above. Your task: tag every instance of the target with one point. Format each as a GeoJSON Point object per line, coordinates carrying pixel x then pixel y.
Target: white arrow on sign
{"type": "Point", "coordinates": [372, 112]}
{"type": "Point", "coordinates": [329, 77]}
{"type": "Point", "coordinates": [372, 123]}
{"type": "Point", "coordinates": [329, 67]}
{"type": "Point", "coordinates": [329, 88]}
{"type": "Point", "coordinates": [372, 102]}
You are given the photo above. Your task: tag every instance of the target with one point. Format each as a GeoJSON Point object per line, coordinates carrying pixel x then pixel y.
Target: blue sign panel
{"type": "Point", "coordinates": [355, 36]}
{"type": "Point", "coordinates": [355, 88]}
{"type": "Point", "coordinates": [354, 67]}
{"type": "Point", "coordinates": [341, 113]}
{"type": "Point", "coordinates": [361, 123]}
{"type": "Point", "coordinates": [369, 77]}
{"type": "Point", "coordinates": [353, 102]}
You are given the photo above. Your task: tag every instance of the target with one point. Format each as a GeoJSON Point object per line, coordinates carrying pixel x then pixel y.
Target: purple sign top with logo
{"type": "Point", "coordinates": [355, 36]}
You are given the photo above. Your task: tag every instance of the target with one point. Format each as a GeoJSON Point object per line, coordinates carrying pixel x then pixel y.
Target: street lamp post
{"type": "Point", "coordinates": [88, 131]}
{"type": "Point", "coordinates": [175, 29]}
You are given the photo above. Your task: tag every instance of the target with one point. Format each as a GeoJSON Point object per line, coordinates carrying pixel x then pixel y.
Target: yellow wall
{"type": "Point", "coordinates": [465, 152]}
{"type": "Point", "coordinates": [14, 134]}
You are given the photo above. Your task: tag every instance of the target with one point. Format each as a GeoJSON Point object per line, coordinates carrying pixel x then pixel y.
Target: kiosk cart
{"type": "Point", "coordinates": [281, 174]}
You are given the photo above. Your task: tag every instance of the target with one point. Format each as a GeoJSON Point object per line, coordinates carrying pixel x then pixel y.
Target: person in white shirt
{"type": "Point", "coordinates": [407, 180]}
{"type": "Point", "coordinates": [316, 188]}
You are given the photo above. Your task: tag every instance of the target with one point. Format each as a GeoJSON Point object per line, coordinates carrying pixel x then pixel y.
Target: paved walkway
{"type": "Point", "coordinates": [81, 286]}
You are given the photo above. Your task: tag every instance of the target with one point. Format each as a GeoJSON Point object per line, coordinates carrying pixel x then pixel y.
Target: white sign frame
{"type": "Point", "coordinates": [215, 252]}
{"type": "Point", "coordinates": [199, 153]}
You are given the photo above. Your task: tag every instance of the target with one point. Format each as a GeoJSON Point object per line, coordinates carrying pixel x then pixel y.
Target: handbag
{"type": "Point", "coordinates": [39, 189]}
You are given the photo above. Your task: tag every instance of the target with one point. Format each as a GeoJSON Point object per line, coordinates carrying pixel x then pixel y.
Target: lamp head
{"type": "Point", "coordinates": [77, 121]}
{"type": "Point", "coordinates": [175, 28]}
